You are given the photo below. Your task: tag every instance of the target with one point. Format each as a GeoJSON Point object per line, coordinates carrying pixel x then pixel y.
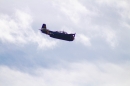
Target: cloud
{"type": "Point", "coordinates": [122, 7]}
{"type": "Point", "coordinates": [16, 29]}
{"type": "Point", "coordinates": [71, 74]}
{"type": "Point", "coordinates": [102, 34]}
{"type": "Point", "coordinates": [78, 16]}
{"type": "Point", "coordinates": [110, 37]}
{"type": "Point", "coordinates": [72, 9]}
{"type": "Point", "coordinates": [83, 39]}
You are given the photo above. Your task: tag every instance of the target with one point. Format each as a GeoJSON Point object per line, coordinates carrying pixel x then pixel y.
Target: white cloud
{"type": "Point", "coordinates": [17, 29]}
{"type": "Point", "coordinates": [72, 9]}
{"type": "Point", "coordinates": [81, 38]}
{"type": "Point", "coordinates": [121, 5]}
{"type": "Point", "coordinates": [73, 74]}
{"type": "Point", "coordinates": [96, 23]}
{"type": "Point", "coordinates": [110, 37]}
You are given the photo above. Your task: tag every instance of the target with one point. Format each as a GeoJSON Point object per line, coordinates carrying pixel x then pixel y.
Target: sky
{"type": "Point", "coordinates": [99, 55]}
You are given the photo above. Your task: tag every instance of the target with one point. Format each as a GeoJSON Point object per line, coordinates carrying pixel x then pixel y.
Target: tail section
{"type": "Point", "coordinates": [44, 29]}
{"type": "Point", "coordinates": [44, 26]}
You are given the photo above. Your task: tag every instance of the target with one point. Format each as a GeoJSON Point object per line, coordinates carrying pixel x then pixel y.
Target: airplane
{"type": "Point", "coordinates": [57, 34]}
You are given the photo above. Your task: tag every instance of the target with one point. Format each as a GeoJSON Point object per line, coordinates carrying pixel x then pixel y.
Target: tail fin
{"type": "Point", "coordinates": [44, 29]}
{"type": "Point", "coordinates": [44, 26]}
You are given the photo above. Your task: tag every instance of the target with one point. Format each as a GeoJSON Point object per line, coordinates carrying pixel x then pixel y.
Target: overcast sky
{"type": "Point", "coordinates": [99, 55]}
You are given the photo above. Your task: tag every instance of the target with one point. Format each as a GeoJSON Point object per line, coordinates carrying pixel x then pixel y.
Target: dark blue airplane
{"type": "Point", "coordinates": [57, 34]}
